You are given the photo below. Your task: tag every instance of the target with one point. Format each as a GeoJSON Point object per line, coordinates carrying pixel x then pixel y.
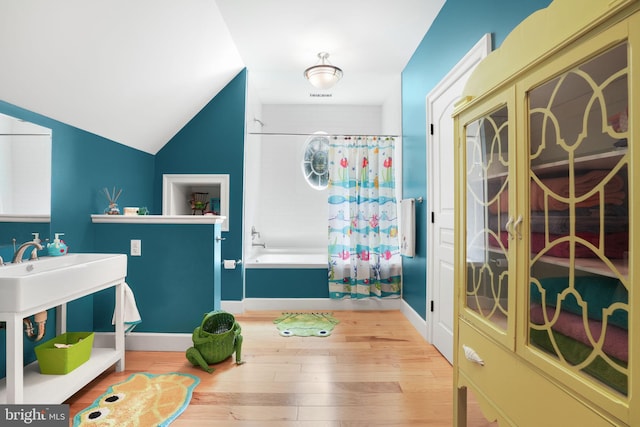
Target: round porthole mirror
{"type": "Point", "coordinates": [315, 161]}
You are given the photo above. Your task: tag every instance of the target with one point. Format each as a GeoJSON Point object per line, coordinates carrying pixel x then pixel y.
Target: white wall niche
{"type": "Point", "coordinates": [177, 189]}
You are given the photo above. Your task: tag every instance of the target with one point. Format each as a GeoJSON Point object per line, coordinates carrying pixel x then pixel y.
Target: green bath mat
{"type": "Point", "coordinates": [306, 324]}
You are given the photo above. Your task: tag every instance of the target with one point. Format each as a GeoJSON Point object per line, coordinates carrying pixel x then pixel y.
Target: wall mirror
{"type": "Point", "coordinates": [25, 171]}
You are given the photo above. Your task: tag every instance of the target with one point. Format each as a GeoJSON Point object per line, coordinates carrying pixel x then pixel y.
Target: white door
{"type": "Point", "coordinates": [440, 161]}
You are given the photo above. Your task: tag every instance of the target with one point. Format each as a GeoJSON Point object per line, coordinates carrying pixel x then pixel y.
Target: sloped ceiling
{"type": "Point", "coordinates": [137, 71]}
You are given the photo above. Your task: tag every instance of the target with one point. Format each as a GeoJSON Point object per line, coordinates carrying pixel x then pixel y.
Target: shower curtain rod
{"type": "Point", "coordinates": [318, 134]}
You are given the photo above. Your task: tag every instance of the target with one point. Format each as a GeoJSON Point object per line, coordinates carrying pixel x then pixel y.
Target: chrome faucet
{"type": "Point", "coordinates": [254, 233]}
{"type": "Point", "coordinates": [17, 257]}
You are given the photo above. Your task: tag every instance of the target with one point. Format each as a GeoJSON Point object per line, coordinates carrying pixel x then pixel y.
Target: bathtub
{"type": "Point", "coordinates": [285, 273]}
{"type": "Point", "coordinates": [288, 258]}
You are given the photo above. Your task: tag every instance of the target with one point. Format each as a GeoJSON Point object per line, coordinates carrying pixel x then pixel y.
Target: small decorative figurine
{"type": "Point", "coordinates": [113, 198]}
{"type": "Point", "coordinates": [199, 202]}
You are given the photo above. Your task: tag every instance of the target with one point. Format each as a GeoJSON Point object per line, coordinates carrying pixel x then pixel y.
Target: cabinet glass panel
{"type": "Point", "coordinates": [487, 160]}
{"type": "Point", "coordinates": [578, 219]}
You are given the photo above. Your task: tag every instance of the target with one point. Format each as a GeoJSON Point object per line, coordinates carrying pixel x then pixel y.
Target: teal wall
{"type": "Point", "coordinates": [286, 283]}
{"type": "Point", "coordinates": [213, 142]}
{"type": "Point", "coordinates": [459, 25]}
{"type": "Point", "coordinates": [84, 163]}
{"type": "Point", "coordinates": [171, 280]}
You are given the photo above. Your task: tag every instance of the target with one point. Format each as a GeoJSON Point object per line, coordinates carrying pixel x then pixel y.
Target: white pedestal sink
{"type": "Point", "coordinates": [33, 286]}
{"type": "Point", "coordinates": [30, 284]}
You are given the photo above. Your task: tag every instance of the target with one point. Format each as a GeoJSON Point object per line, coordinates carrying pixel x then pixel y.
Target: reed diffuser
{"type": "Point", "coordinates": [112, 197]}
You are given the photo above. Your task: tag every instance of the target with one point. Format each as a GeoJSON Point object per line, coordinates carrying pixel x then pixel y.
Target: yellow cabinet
{"type": "Point", "coordinates": [545, 213]}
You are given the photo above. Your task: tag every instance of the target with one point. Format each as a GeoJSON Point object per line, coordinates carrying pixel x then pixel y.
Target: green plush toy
{"type": "Point", "coordinates": [216, 339]}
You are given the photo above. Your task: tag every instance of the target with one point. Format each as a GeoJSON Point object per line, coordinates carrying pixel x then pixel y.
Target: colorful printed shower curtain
{"type": "Point", "coordinates": [364, 251]}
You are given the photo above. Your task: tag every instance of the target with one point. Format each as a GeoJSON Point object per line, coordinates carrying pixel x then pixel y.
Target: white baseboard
{"type": "Point", "coordinates": [233, 307]}
{"type": "Point", "coordinates": [414, 318]}
{"type": "Point", "coordinates": [157, 341]}
{"type": "Point", "coordinates": [146, 341]}
{"type": "Point", "coordinates": [316, 304]}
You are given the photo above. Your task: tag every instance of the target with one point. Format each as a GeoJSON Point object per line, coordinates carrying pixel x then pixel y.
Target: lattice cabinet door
{"type": "Point", "coordinates": [577, 221]}
{"type": "Point", "coordinates": [488, 220]}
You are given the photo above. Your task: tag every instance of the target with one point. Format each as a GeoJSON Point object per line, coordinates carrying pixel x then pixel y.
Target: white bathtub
{"type": "Point", "coordinates": [287, 258]}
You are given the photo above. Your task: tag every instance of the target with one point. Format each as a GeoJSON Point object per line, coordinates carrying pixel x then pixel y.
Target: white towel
{"type": "Point", "coordinates": [408, 227]}
{"type": "Point", "coordinates": [130, 309]}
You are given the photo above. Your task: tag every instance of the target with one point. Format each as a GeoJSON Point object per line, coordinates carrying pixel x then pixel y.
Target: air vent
{"type": "Point", "coordinates": [321, 95]}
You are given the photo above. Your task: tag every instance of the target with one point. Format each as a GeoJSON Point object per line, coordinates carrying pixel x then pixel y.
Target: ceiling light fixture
{"type": "Point", "coordinates": [323, 75]}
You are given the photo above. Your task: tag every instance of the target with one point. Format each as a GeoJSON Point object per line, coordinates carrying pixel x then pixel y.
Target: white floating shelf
{"type": "Point", "coordinates": [158, 219]}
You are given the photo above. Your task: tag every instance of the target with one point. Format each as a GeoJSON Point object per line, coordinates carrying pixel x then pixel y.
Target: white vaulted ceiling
{"type": "Point", "coordinates": [136, 71]}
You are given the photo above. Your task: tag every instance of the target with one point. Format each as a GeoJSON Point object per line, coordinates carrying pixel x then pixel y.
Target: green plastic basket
{"type": "Point", "coordinates": [60, 361]}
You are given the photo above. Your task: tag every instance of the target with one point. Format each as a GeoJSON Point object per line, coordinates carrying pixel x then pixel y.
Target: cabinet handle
{"type": "Point", "coordinates": [516, 227]}
{"type": "Point", "coordinates": [472, 356]}
{"type": "Point", "coordinates": [220, 239]}
{"type": "Point", "coordinates": [508, 225]}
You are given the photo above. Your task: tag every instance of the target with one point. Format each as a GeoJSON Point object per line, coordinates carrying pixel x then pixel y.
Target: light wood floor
{"type": "Point", "coordinates": [374, 370]}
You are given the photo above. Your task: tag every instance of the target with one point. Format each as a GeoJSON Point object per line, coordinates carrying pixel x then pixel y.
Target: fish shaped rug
{"type": "Point", "coordinates": [143, 399]}
{"type": "Point", "coordinates": [306, 324]}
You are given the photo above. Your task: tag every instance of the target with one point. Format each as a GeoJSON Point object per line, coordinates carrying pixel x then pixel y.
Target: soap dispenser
{"type": "Point", "coordinates": [34, 252]}
{"type": "Point", "coordinates": [58, 247]}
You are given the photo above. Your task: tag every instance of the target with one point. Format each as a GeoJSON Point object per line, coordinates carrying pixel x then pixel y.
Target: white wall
{"type": "Point", "coordinates": [278, 202]}
{"type": "Point", "coordinates": [6, 169]}
{"type": "Point", "coordinates": [392, 125]}
{"type": "Point", "coordinates": [392, 111]}
{"type": "Point", "coordinates": [288, 212]}
{"type": "Point", "coordinates": [252, 155]}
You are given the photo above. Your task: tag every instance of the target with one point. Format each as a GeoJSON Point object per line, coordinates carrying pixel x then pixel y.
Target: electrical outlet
{"type": "Point", "coordinates": [136, 247]}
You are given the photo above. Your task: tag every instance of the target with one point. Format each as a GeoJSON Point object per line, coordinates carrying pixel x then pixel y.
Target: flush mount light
{"type": "Point", "coordinates": [323, 75]}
